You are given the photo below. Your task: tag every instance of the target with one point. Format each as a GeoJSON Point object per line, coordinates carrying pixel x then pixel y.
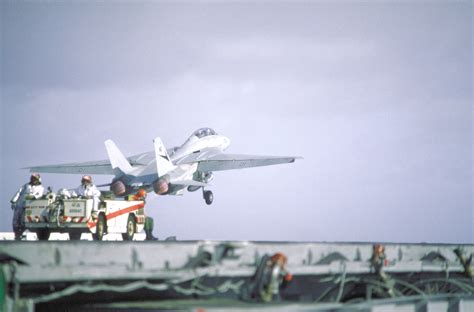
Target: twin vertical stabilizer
{"type": "Point", "coordinates": [117, 160]}
{"type": "Point", "coordinates": [163, 161]}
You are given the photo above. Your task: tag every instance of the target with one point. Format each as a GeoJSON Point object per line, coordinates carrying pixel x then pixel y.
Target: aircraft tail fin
{"type": "Point", "coordinates": [163, 161]}
{"type": "Point", "coordinates": [117, 159]}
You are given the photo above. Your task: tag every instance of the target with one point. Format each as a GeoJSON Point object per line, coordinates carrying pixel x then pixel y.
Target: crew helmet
{"type": "Point", "coordinates": [86, 179]}
{"type": "Point", "coordinates": [35, 178]}
{"type": "Point", "coordinates": [141, 193]}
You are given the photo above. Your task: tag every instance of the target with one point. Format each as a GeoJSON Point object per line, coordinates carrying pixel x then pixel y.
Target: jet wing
{"type": "Point", "coordinates": [230, 161]}
{"type": "Point", "coordinates": [90, 167]}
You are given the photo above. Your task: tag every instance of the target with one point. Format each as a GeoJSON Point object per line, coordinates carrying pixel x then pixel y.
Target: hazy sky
{"type": "Point", "coordinates": [377, 97]}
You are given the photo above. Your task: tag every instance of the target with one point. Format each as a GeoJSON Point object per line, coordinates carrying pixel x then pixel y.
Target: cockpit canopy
{"type": "Point", "coordinates": [203, 132]}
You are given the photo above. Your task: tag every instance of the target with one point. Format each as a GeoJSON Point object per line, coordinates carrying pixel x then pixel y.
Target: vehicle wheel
{"type": "Point", "coordinates": [18, 232]}
{"type": "Point", "coordinates": [208, 197]}
{"type": "Point", "coordinates": [42, 234]}
{"type": "Point", "coordinates": [75, 235]}
{"type": "Point", "coordinates": [101, 228]}
{"type": "Point", "coordinates": [131, 228]}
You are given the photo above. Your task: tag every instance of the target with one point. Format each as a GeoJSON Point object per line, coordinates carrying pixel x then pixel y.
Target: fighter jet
{"type": "Point", "coordinates": [168, 172]}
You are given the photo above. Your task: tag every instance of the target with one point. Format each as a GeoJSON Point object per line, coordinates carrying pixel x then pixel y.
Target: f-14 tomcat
{"type": "Point", "coordinates": [168, 172]}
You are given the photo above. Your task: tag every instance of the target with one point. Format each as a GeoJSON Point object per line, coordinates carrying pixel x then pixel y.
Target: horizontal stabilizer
{"type": "Point", "coordinates": [189, 183]}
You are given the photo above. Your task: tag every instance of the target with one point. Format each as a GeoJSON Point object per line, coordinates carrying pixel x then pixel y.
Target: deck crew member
{"type": "Point", "coordinates": [31, 190]}
{"type": "Point", "coordinates": [149, 223]}
{"type": "Point", "coordinates": [88, 190]}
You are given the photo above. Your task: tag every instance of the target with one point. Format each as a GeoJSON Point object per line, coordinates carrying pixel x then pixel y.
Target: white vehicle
{"type": "Point", "coordinates": [168, 172]}
{"type": "Point", "coordinates": [77, 216]}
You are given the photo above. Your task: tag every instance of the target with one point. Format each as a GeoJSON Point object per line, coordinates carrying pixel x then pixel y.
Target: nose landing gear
{"type": "Point", "coordinates": [208, 196]}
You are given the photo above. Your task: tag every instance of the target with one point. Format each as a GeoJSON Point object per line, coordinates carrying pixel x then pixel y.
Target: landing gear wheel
{"type": "Point", "coordinates": [43, 234]}
{"type": "Point", "coordinates": [131, 228]}
{"type": "Point", "coordinates": [208, 197]}
{"type": "Point", "coordinates": [101, 228]}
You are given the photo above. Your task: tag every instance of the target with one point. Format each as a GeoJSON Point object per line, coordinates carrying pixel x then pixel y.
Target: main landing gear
{"type": "Point", "coordinates": [208, 196]}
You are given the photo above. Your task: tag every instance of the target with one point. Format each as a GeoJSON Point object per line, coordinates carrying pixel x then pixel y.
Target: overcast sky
{"type": "Point", "coordinates": [376, 96]}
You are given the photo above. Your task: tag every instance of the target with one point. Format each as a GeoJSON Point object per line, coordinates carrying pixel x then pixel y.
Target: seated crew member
{"type": "Point", "coordinates": [88, 190]}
